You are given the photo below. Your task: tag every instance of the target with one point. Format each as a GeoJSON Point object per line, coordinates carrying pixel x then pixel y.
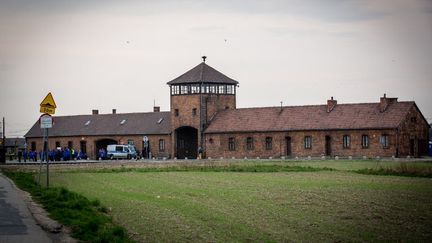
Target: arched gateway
{"type": "Point", "coordinates": [103, 143]}
{"type": "Point", "coordinates": [187, 142]}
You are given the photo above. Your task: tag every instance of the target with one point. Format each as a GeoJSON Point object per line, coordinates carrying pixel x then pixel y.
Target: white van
{"type": "Point", "coordinates": [116, 151]}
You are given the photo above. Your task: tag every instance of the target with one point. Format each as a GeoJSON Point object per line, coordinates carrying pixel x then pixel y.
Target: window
{"type": "Point", "coordinates": [231, 144]}
{"type": "Point", "coordinates": [212, 89]}
{"type": "Point", "coordinates": [268, 143]}
{"type": "Point", "coordinates": [176, 112]}
{"type": "Point", "coordinates": [58, 144]}
{"type": "Point", "coordinates": [161, 145]}
{"type": "Point", "coordinates": [221, 89]}
{"type": "Point", "coordinates": [175, 90]}
{"type": "Point", "coordinates": [413, 119]}
{"type": "Point", "coordinates": [33, 146]}
{"type": "Point", "coordinates": [130, 142]}
{"type": "Point", "coordinates": [384, 140]}
{"type": "Point", "coordinates": [184, 89]}
{"type": "Point", "coordinates": [346, 141]}
{"type": "Point", "coordinates": [365, 141]}
{"type": "Point", "coordinates": [70, 144]}
{"type": "Point", "coordinates": [195, 89]}
{"type": "Point", "coordinates": [308, 142]}
{"type": "Point", "coordinates": [249, 143]}
{"type": "Point", "coordinates": [194, 112]}
{"type": "Point", "coordinates": [230, 89]}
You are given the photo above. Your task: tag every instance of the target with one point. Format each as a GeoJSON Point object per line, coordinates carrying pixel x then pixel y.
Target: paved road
{"type": "Point", "coordinates": [16, 222]}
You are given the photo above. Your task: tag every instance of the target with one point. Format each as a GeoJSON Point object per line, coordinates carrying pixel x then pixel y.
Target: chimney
{"type": "Point", "coordinates": [95, 112]}
{"type": "Point", "coordinates": [331, 104]}
{"type": "Point", "coordinates": [114, 111]}
{"type": "Point", "coordinates": [156, 108]}
{"type": "Point", "coordinates": [385, 102]}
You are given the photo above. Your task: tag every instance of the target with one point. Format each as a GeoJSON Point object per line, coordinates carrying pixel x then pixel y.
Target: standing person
{"type": "Point", "coordinates": [19, 155]}
{"type": "Point", "coordinates": [200, 152]}
{"type": "Point", "coordinates": [25, 154]}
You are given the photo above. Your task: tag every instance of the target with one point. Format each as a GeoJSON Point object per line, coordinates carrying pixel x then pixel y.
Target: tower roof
{"type": "Point", "coordinates": [202, 73]}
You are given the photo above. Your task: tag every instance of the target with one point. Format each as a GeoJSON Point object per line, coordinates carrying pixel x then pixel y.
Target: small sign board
{"type": "Point", "coordinates": [47, 110]}
{"type": "Point", "coordinates": [46, 121]}
{"type": "Point", "coordinates": [145, 140]}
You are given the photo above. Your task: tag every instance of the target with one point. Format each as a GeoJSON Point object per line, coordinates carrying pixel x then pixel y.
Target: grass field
{"type": "Point", "coordinates": [264, 206]}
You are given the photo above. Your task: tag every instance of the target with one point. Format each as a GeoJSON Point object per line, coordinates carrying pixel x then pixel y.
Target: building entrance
{"type": "Point", "coordinates": [327, 145]}
{"type": "Point", "coordinates": [187, 142]}
{"type": "Point", "coordinates": [103, 143]}
{"type": "Point", "coordinates": [288, 146]}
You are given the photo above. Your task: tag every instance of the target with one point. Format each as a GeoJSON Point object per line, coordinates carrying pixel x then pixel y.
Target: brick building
{"type": "Point", "coordinates": [203, 114]}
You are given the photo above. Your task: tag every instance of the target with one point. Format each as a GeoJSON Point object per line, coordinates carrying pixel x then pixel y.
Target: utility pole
{"type": "Point", "coordinates": [3, 147]}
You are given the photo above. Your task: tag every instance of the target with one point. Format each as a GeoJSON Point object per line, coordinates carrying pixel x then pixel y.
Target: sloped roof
{"type": "Point", "coordinates": [313, 117]}
{"type": "Point", "coordinates": [106, 124]}
{"type": "Point", "coordinates": [203, 73]}
{"type": "Point", "coordinates": [12, 142]}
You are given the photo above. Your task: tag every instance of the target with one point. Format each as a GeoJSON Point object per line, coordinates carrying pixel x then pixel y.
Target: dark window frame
{"type": "Point", "coordinates": [385, 141]}
{"type": "Point", "coordinates": [249, 143]}
{"type": "Point", "coordinates": [365, 141]}
{"type": "Point", "coordinates": [346, 141]}
{"type": "Point", "coordinates": [269, 143]}
{"type": "Point", "coordinates": [231, 144]}
{"type": "Point", "coordinates": [308, 142]}
{"type": "Point", "coordinates": [161, 145]}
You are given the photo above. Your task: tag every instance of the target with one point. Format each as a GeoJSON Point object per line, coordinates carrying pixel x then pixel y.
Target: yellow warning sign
{"type": "Point", "coordinates": [48, 101]}
{"type": "Point", "coordinates": [48, 105]}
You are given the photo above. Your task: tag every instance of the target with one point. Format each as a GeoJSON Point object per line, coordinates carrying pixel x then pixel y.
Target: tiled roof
{"type": "Point", "coordinates": [107, 124]}
{"type": "Point", "coordinates": [313, 117]}
{"type": "Point", "coordinates": [203, 73]}
{"type": "Point", "coordinates": [12, 142]}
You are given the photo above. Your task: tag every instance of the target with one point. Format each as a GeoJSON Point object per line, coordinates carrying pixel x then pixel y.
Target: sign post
{"type": "Point", "coordinates": [47, 106]}
{"type": "Point", "coordinates": [146, 146]}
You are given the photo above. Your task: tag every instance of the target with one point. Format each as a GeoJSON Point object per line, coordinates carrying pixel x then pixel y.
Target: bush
{"type": "Point", "coordinates": [87, 219]}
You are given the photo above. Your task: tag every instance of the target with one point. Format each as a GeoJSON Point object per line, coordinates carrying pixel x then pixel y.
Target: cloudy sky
{"type": "Point", "coordinates": [94, 54]}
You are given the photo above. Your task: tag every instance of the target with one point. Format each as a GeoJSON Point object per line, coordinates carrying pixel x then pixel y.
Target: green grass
{"type": "Point", "coordinates": [248, 206]}
{"type": "Point", "coordinates": [87, 219]}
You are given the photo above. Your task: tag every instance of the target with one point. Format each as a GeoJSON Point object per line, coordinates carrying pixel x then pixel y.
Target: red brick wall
{"type": "Point", "coordinates": [416, 130]}
{"type": "Point", "coordinates": [219, 146]}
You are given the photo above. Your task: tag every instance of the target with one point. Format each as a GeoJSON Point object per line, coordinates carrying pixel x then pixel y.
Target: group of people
{"type": "Point", "coordinates": [59, 154]}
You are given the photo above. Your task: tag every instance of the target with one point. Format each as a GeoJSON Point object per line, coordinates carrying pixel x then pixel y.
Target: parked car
{"type": "Point", "coordinates": [116, 151]}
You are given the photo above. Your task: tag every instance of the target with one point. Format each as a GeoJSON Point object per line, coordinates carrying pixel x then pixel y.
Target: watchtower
{"type": "Point", "coordinates": [196, 97]}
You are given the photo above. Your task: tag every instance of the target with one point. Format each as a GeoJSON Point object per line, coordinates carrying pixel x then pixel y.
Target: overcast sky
{"type": "Point", "coordinates": [94, 54]}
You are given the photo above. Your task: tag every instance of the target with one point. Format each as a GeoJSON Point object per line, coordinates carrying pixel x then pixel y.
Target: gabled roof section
{"type": "Point", "coordinates": [203, 73]}
{"type": "Point", "coordinates": [313, 117]}
{"type": "Point", "coordinates": [106, 124]}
